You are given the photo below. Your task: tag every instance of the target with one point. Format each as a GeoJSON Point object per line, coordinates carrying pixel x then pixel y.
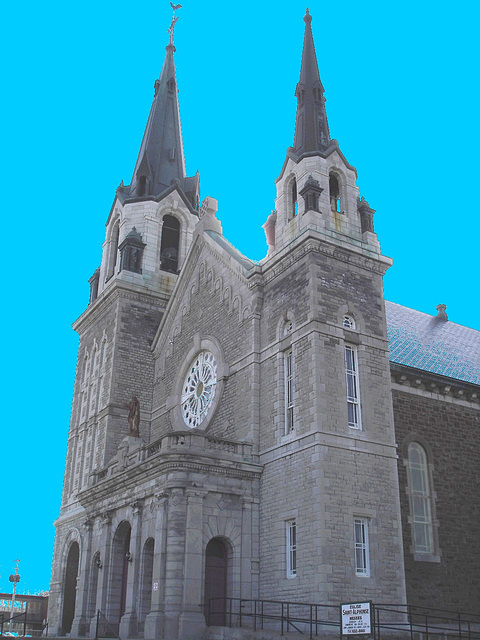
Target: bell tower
{"type": "Point", "coordinates": [326, 426]}
{"type": "Point", "coordinates": [148, 234]}
{"type": "Point", "coordinates": [317, 187]}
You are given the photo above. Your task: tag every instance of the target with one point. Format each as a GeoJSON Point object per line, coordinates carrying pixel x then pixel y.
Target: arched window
{"type": "Point", "coordinates": [420, 499]}
{"type": "Point", "coordinates": [348, 322]}
{"type": "Point", "coordinates": [170, 244]}
{"type": "Point", "coordinates": [334, 187]}
{"type": "Point", "coordinates": [294, 199]}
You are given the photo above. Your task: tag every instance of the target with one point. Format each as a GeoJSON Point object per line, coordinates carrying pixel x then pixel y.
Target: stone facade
{"type": "Point", "coordinates": [232, 426]}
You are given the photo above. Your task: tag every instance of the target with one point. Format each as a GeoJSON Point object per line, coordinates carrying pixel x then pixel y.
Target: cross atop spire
{"type": "Point", "coordinates": [311, 127]}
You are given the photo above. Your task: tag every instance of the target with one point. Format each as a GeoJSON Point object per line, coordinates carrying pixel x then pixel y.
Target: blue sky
{"type": "Point", "coordinates": [401, 86]}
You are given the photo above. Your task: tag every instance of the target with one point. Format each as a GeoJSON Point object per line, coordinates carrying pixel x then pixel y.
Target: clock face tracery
{"type": "Point", "coordinates": [198, 389]}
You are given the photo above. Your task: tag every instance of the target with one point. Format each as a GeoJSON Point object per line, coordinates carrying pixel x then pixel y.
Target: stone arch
{"type": "Point", "coordinates": [351, 310]}
{"type": "Point", "coordinates": [285, 325]}
{"type": "Point", "coordinates": [236, 306]}
{"type": "Point", "coordinates": [93, 585]}
{"type": "Point", "coordinates": [113, 240]}
{"type": "Point", "coordinates": [337, 190]}
{"type": "Point", "coordinates": [70, 587]}
{"type": "Point", "coordinates": [170, 243]}
{"type": "Point", "coordinates": [218, 286]}
{"type": "Point", "coordinates": [119, 568]}
{"type": "Point", "coordinates": [218, 582]}
{"type": "Point", "coordinates": [226, 297]}
{"type": "Point", "coordinates": [291, 197]}
{"type": "Point", "coordinates": [146, 577]}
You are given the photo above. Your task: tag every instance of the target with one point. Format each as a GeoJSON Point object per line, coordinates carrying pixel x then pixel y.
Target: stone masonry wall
{"type": "Point", "coordinates": [449, 432]}
{"type": "Point", "coordinates": [323, 473]}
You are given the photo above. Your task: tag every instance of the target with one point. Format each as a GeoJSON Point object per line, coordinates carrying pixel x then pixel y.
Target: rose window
{"type": "Point", "coordinates": [199, 389]}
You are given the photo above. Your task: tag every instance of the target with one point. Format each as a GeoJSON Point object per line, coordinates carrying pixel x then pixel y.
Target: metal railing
{"type": "Point", "coordinates": [104, 628]}
{"type": "Point", "coordinates": [425, 621]}
{"type": "Point", "coordinates": [313, 619]}
{"type": "Point", "coordinates": [15, 618]}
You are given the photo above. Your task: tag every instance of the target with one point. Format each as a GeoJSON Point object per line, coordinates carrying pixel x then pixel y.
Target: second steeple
{"type": "Point", "coordinates": [311, 126]}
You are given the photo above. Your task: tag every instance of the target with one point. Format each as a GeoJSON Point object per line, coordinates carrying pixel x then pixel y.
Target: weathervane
{"type": "Point", "coordinates": [171, 28]}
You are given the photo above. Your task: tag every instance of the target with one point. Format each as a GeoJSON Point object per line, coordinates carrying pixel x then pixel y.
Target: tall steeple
{"type": "Point", "coordinates": [161, 161]}
{"type": "Point", "coordinates": [311, 126]}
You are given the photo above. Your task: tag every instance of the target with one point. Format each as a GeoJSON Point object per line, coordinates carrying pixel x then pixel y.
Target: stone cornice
{"type": "Point", "coordinates": [115, 291]}
{"type": "Point", "coordinates": [434, 386]}
{"type": "Point", "coordinates": [179, 451]}
{"type": "Point", "coordinates": [151, 469]}
{"type": "Point", "coordinates": [311, 241]}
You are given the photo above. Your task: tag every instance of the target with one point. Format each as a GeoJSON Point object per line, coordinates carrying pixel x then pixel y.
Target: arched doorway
{"type": "Point", "coordinates": [216, 569]}
{"type": "Point", "coordinates": [70, 588]}
{"type": "Point", "coordinates": [93, 586]}
{"type": "Point", "coordinates": [119, 573]}
{"type": "Point", "coordinates": [146, 582]}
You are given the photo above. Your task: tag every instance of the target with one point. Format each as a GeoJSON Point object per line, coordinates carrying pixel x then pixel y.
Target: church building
{"type": "Point", "coordinates": [272, 431]}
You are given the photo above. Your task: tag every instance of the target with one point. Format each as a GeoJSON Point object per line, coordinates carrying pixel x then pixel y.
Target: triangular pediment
{"type": "Point", "coordinates": [213, 273]}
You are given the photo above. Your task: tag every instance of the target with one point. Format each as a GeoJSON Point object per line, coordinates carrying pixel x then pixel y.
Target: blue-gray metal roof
{"type": "Point", "coordinates": [428, 343]}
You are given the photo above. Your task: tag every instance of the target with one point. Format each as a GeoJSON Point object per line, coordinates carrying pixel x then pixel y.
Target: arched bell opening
{"type": "Point", "coordinates": [170, 244]}
{"type": "Point", "coordinates": [70, 588]}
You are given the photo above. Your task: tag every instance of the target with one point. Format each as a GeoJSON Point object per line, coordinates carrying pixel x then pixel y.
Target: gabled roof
{"type": "Point", "coordinates": [428, 343]}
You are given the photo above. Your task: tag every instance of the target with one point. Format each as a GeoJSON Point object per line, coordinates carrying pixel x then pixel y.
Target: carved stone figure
{"type": "Point", "coordinates": [134, 416]}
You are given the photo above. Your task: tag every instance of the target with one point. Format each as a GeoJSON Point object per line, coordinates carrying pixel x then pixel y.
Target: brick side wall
{"type": "Point", "coordinates": [450, 432]}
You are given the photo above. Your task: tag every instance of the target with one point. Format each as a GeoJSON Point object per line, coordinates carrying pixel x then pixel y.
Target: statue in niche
{"type": "Point", "coordinates": [134, 416]}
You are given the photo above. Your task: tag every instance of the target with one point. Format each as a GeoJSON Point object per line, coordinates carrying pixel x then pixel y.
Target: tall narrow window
{"type": "Point", "coordinates": [292, 199]}
{"type": "Point", "coordinates": [335, 203]}
{"type": "Point", "coordinates": [351, 373]}
{"type": "Point", "coordinates": [360, 539]}
{"type": "Point", "coordinates": [170, 244]}
{"type": "Point", "coordinates": [288, 359]}
{"type": "Point", "coordinates": [420, 499]}
{"type": "Point", "coordinates": [291, 531]}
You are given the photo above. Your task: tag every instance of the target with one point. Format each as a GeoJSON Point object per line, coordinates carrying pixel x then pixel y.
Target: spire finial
{"type": "Point", "coordinates": [171, 28]}
{"type": "Point", "coordinates": [307, 17]}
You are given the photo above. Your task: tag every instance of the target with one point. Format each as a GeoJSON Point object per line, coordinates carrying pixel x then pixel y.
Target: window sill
{"type": "Point", "coordinates": [426, 557]}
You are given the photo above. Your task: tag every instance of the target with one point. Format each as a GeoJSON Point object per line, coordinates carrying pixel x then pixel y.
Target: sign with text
{"type": "Point", "coordinates": [356, 618]}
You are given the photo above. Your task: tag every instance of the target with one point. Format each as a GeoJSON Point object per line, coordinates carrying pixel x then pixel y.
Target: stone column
{"type": "Point", "coordinates": [246, 548]}
{"type": "Point", "coordinates": [176, 531]}
{"type": "Point", "coordinates": [103, 583]}
{"type": "Point", "coordinates": [128, 622]}
{"type": "Point", "coordinates": [80, 624]}
{"type": "Point", "coordinates": [155, 619]}
{"type": "Point", "coordinates": [192, 619]}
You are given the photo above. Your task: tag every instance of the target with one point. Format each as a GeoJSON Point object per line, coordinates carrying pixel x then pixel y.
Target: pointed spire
{"type": "Point", "coordinates": [161, 160]}
{"type": "Point", "coordinates": [311, 126]}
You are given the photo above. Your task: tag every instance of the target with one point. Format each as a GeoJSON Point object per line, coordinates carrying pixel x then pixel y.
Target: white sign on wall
{"type": "Point", "coordinates": [356, 618]}
{"type": "Point", "coordinates": [155, 586]}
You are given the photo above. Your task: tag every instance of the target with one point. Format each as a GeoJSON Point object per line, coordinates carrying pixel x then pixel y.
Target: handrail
{"type": "Point", "coordinates": [14, 617]}
{"type": "Point", "coordinates": [100, 613]}
{"type": "Point", "coordinates": [312, 618]}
